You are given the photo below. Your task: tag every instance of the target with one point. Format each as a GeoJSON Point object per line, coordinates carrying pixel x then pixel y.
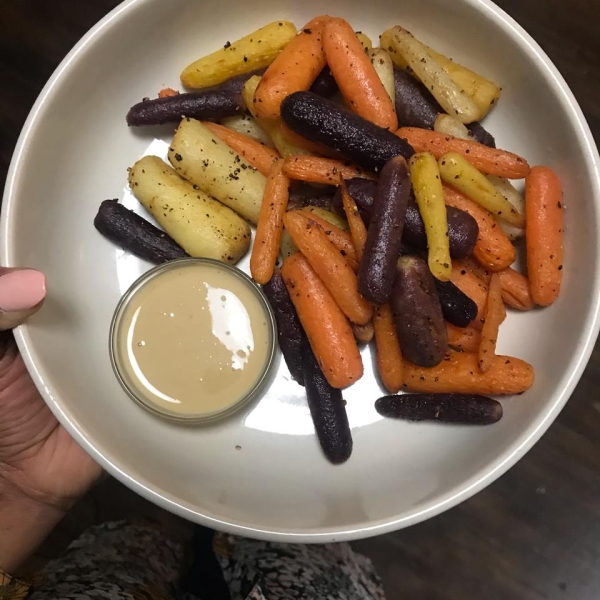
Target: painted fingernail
{"type": "Point", "coordinates": [21, 289]}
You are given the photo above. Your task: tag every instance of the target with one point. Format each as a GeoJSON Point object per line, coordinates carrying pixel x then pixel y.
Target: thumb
{"type": "Point", "coordinates": [22, 292]}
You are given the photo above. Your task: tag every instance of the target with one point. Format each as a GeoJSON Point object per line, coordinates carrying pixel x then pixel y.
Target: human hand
{"type": "Point", "coordinates": [42, 470]}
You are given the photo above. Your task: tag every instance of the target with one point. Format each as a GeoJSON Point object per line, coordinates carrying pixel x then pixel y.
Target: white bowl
{"type": "Point", "coordinates": [73, 153]}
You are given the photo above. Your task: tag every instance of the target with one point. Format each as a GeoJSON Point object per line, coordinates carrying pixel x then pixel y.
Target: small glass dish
{"type": "Point", "coordinates": [119, 358]}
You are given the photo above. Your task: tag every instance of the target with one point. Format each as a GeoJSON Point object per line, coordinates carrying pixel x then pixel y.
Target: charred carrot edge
{"type": "Point", "coordinates": [259, 156]}
{"type": "Point", "coordinates": [340, 239]}
{"type": "Point", "coordinates": [515, 289]}
{"type": "Point", "coordinates": [544, 234]}
{"type": "Point", "coordinates": [463, 339]}
{"type": "Point", "coordinates": [294, 69]}
{"type": "Point", "coordinates": [355, 75]}
{"type": "Point", "coordinates": [493, 248]}
{"type": "Point", "coordinates": [270, 225]}
{"type": "Point", "coordinates": [390, 363]}
{"type": "Point", "coordinates": [326, 327]}
{"type": "Point", "coordinates": [488, 160]}
{"type": "Point", "coordinates": [495, 313]}
{"type": "Point", "coordinates": [363, 333]}
{"type": "Point", "coordinates": [473, 287]}
{"type": "Point", "coordinates": [358, 230]}
{"type": "Point", "coordinates": [459, 373]}
{"type": "Point", "coordinates": [314, 169]}
{"type": "Point", "coordinates": [338, 277]}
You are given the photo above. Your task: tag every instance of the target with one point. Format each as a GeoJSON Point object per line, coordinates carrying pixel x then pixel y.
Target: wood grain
{"type": "Point", "coordinates": [535, 533]}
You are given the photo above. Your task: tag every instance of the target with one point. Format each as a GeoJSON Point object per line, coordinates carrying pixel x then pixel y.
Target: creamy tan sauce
{"type": "Point", "coordinates": [194, 340]}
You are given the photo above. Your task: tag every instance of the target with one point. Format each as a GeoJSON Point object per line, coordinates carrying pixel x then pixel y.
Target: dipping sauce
{"type": "Point", "coordinates": [193, 339]}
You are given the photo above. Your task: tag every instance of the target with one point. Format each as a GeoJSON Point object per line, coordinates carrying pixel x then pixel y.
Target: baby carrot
{"type": "Point", "coordinates": [473, 287]}
{"type": "Point", "coordinates": [326, 327]}
{"type": "Point", "coordinates": [358, 230]}
{"type": "Point", "coordinates": [515, 289]}
{"type": "Point", "coordinates": [459, 373]}
{"type": "Point", "coordinates": [363, 333]}
{"type": "Point", "coordinates": [167, 93]}
{"type": "Point", "coordinates": [297, 141]}
{"type": "Point", "coordinates": [339, 238]}
{"type": "Point", "coordinates": [355, 75]}
{"type": "Point", "coordinates": [389, 356]}
{"type": "Point", "coordinates": [314, 169]}
{"type": "Point", "coordinates": [294, 69]}
{"type": "Point", "coordinates": [270, 225]}
{"type": "Point", "coordinates": [258, 155]}
{"type": "Point", "coordinates": [544, 233]}
{"type": "Point", "coordinates": [495, 313]}
{"type": "Point", "coordinates": [493, 248]}
{"type": "Point", "coordinates": [463, 339]}
{"type": "Point", "coordinates": [329, 264]}
{"type": "Point", "coordinates": [487, 160]}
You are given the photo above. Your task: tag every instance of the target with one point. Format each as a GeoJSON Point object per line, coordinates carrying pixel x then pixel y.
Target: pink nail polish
{"type": "Point", "coordinates": [21, 289]}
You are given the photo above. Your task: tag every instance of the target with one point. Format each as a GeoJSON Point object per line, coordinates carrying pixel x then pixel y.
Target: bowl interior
{"type": "Point", "coordinates": [261, 472]}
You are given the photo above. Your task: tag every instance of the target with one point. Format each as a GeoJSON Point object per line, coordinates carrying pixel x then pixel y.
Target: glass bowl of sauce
{"type": "Point", "coordinates": [193, 340]}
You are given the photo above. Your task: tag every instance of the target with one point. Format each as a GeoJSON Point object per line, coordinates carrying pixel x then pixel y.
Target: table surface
{"type": "Point", "coordinates": [533, 534]}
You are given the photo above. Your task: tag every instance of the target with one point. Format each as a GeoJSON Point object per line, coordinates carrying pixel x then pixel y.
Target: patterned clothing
{"type": "Point", "coordinates": [140, 561]}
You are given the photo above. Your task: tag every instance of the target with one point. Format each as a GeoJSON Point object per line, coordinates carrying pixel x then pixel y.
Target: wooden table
{"type": "Point", "coordinates": [533, 534]}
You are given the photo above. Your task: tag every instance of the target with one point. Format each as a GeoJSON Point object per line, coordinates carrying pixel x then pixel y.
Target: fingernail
{"type": "Point", "coordinates": [21, 289]}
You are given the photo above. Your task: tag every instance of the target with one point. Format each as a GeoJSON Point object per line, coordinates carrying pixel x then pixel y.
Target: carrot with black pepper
{"type": "Point", "coordinates": [463, 339]}
{"type": "Point", "coordinates": [358, 230]}
{"type": "Point", "coordinates": [495, 313]}
{"type": "Point", "coordinates": [515, 289]}
{"type": "Point", "coordinates": [544, 234]}
{"type": "Point", "coordinates": [258, 155]}
{"type": "Point", "coordinates": [294, 70]}
{"type": "Point", "coordinates": [472, 286]}
{"type": "Point", "coordinates": [329, 264]}
{"type": "Point", "coordinates": [327, 328]}
{"type": "Point", "coordinates": [355, 75]}
{"type": "Point", "coordinates": [487, 160]}
{"type": "Point", "coordinates": [270, 225]}
{"type": "Point", "coordinates": [314, 169]}
{"type": "Point", "coordinates": [390, 363]}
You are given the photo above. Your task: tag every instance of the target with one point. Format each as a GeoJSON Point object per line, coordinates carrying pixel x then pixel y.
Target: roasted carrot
{"type": "Point", "coordinates": [463, 339]}
{"type": "Point", "coordinates": [358, 230]}
{"type": "Point", "coordinates": [258, 155]}
{"type": "Point", "coordinates": [459, 373]}
{"type": "Point", "coordinates": [515, 289]}
{"type": "Point", "coordinates": [167, 93]}
{"type": "Point", "coordinates": [473, 287]}
{"type": "Point", "coordinates": [337, 275]}
{"type": "Point", "coordinates": [495, 313]}
{"type": "Point", "coordinates": [363, 333]}
{"type": "Point", "coordinates": [321, 170]}
{"type": "Point", "coordinates": [493, 248]}
{"type": "Point", "coordinates": [270, 225]}
{"type": "Point", "coordinates": [339, 238]}
{"type": "Point", "coordinates": [472, 264]}
{"type": "Point", "coordinates": [294, 69]}
{"type": "Point", "coordinates": [544, 233]}
{"type": "Point", "coordinates": [326, 326]}
{"type": "Point", "coordinates": [355, 75]}
{"type": "Point", "coordinates": [488, 160]}
{"type": "Point", "coordinates": [298, 141]}
{"type": "Point", "coordinates": [389, 356]}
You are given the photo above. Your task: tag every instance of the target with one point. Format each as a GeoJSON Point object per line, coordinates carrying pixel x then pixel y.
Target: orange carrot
{"type": "Point", "coordinates": [321, 170]}
{"type": "Point", "coordinates": [515, 289]}
{"type": "Point", "coordinates": [301, 142]}
{"type": "Point", "coordinates": [495, 313]}
{"type": "Point", "coordinates": [473, 287]}
{"type": "Point", "coordinates": [363, 333]}
{"type": "Point", "coordinates": [471, 264]}
{"type": "Point", "coordinates": [167, 93]}
{"type": "Point", "coordinates": [493, 248]}
{"type": "Point", "coordinates": [337, 275]}
{"type": "Point", "coordinates": [459, 373]}
{"type": "Point", "coordinates": [340, 239]}
{"type": "Point", "coordinates": [294, 69]}
{"type": "Point", "coordinates": [258, 155]}
{"type": "Point", "coordinates": [270, 225]}
{"type": "Point", "coordinates": [358, 231]}
{"type": "Point", "coordinates": [544, 233]}
{"type": "Point", "coordinates": [326, 327]}
{"type": "Point", "coordinates": [463, 339]}
{"type": "Point", "coordinates": [355, 75]}
{"type": "Point", "coordinates": [488, 160]}
{"type": "Point", "coordinates": [390, 363]}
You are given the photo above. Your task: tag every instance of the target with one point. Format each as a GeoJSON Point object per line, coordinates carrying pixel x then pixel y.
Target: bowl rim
{"type": "Point", "coordinates": [459, 493]}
